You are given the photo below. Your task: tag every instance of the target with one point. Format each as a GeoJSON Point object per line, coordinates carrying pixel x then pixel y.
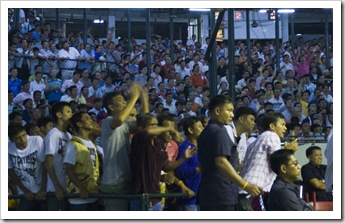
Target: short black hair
{"type": "Point", "coordinates": [107, 99]}
{"type": "Point", "coordinates": [310, 150]}
{"type": "Point", "coordinates": [14, 129]}
{"type": "Point", "coordinates": [189, 123]}
{"type": "Point", "coordinates": [219, 101]}
{"type": "Point", "coordinates": [244, 111]}
{"type": "Point", "coordinates": [43, 121]}
{"type": "Point", "coordinates": [163, 118]}
{"type": "Point", "coordinates": [280, 157]}
{"type": "Point", "coordinates": [271, 119]}
{"type": "Point", "coordinates": [58, 107]}
{"type": "Point", "coordinates": [77, 118]}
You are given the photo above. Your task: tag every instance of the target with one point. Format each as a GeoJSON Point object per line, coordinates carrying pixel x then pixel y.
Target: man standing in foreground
{"type": "Point", "coordinates": [256, 168]}
{"type": "Point", "coordinates": [218, 161]}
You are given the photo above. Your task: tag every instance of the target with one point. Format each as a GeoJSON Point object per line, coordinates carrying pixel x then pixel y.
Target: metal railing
{"type": "Point", "coordinates": [144, 198]}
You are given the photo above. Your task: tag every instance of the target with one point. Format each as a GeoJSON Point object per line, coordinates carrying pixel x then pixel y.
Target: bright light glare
{"type": "Point", "coordinates": [97, 21]}
{"type": "Point", "coordinates": [262, 10]}
{"type": "Point", "coordinates": [286, 10]}
{"type": "Point", "coordinates": [199, 10]}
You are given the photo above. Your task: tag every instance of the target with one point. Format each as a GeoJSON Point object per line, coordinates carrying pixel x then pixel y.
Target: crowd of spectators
{"type": "Point", "coordinates": [46, 67]}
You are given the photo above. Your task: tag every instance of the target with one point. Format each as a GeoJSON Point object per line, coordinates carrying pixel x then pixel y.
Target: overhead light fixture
{"type": "Point", "coordinates": [262, 10]}
{"type": "Point", "coordinates": [286, 10]}
{"type": "Point", "coordinates": [98, 21]}
{"type": "Point", "coordinates": [298, 34]}
{"type": "Point", "coordinates": [199, 10]}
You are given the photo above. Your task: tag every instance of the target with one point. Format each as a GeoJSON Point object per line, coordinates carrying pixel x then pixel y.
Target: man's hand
{"type": "Point", "coordinates": [29, 195]}
{"type": "Point", "coordinates": [168, 178]}
{"type": "Point", "coordinates": [135, 91]}
{"type": "Point", "coordinates": [83, 193]}
{"type": "Point", "coordinates": [190, 152]}
{"type": "Point", "coordinates": [59, 193]}
{"type": "Point", "coordinates": [41, 195]}
{"type": "Point", "coordinates": [253, 190]}
{"type": "Point", "coordinates": [292, 146]}
{"type": "Point", "coordinates": [188, 191]}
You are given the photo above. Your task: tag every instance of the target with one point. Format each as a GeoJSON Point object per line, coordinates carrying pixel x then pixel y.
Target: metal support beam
{"type": "Point", "coordinates": [129, 31]}
{"type": "Point", "coordinates": [249, 58]}
{"type": "Point", "coordinates": [277, 40]}
{"type": "Point", "coordinates": [231, 44]}
{"type": "Point", "coordinates": [212, 46]}
{"type": "Point", "coordinates": [171, 33]}
{"type": "Point", "coordinates": [15, 19]}
{"type": "Point", "coordinates": [57, 18]}
{"type": "Point", "coordinates": [293, 31]}
{"type": "Point", "coordinates": [327, 37]}
{"type": "Point", "coordinates": [85, 26]}
{"type": "Point", "coordinates": [148, 41]}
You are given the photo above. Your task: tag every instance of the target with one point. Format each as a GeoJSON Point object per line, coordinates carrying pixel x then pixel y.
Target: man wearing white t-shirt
{"type": "Point", "coordinates": [82, 165]}
{"type": "Point", "coordinates": [55, 143]}
{"type": "Point", "coordinates": [116, 142]}
{"type": "Point", "coordinates": [68, 56]}
{"type": "Point", "coordinates": [25, 168]}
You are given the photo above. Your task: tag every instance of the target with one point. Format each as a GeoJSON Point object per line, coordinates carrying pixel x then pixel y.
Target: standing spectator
{"type": "Point", "coordinates": [116, 130]}
{"type": "Point", "coordinates": [94, 90]}
{"type": "Point", "coordinates": [82, 165]}
{"type": "Point", "coordinates": [256, 169]}
{"type": "Point", "coordinates": [55, 143]}
{"type": "Point", "coordinates": [219, 165]}
{"type": "Point", "coordinates": [189, 171]}
{"type": "Point", "coordinates": [25, 167]}
{"type": "Point", "coordinates": [68, 56]}
{"type": "Point", "coordinates": [24, 63]}
{"type": "Point", "coordinates": [148, 158]}
{"type": "Point", "coordinates": [329, 157]}
{"type": "Point", "coordinates": [54, 60]}
{"type": "Point", "coordinates": [47, 64]}
{"type": "Point", "coordinates": [87, 58]}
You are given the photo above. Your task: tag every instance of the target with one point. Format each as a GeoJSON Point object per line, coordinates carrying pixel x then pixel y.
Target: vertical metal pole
{"type": "Point", "coordinates": [293, 31]}
{"type": "Point", "coordinates": [213, 62]}
{"type": "Point", "coordinates": [277, 40]}
{"type": "Point", "coordinates": [15, 19]}
{"type": "Point", "coordinates": [248, 37]}
{"type": "Point", "coordinates": [57, 18]}
{"type": "Point", "coordinates": [41, 21]}
{"type": "Point", "coordinates": [171, 32]}
{"type": "Point", "coordinates": [327, 37]}
{"type": "Point", "coordinates": [148, 41]}
{"type": "Point", "coordinates": [129, 31]}
{"type": "Point", "coordinates": [231, 44]}
{"type": "Point", "coordinates": [85, 26]}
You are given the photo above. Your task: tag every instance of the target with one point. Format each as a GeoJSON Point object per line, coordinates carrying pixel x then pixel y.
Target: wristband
{"type": "Point", "coordinates": [245, 185]}
{"type": "Point", "coordinates": [179, 183]}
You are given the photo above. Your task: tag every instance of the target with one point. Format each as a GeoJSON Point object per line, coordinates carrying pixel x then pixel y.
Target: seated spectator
{"type": "Point", "coordinates": [284, 194]}
{"type": "Point", "coordinates": [313, 174]}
